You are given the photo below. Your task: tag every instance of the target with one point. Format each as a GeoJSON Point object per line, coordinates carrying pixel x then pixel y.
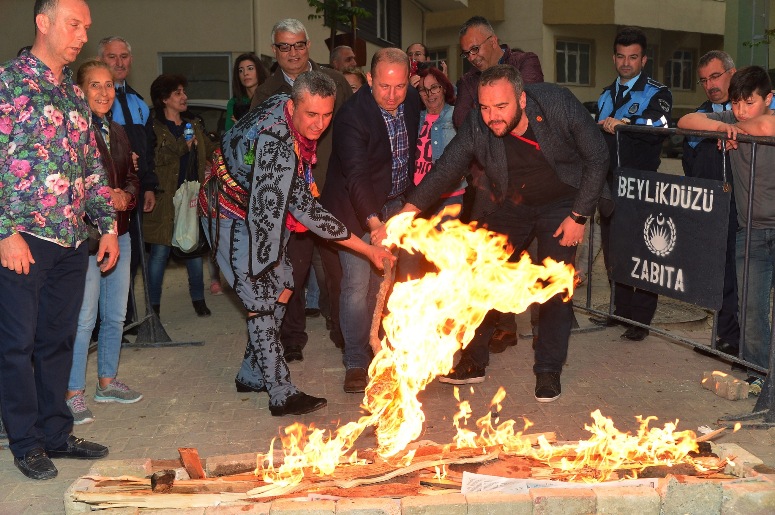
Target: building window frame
{"type": "Point", "coordinates": [576, 57]}
{"type": "Point", "coordinates": [679, 70]}
{"type": "Point", "coordinates": [207, 79]}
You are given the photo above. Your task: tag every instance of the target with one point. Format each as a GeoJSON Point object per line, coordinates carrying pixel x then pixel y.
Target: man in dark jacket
{"type": "Point", "coordinates": [290, 44]}
{"type": "Point", "coordinates": [545, 162]}
{"type": "Point", "coordinates": [633, 98]}
{"type": "Point", "coordinates": [371, 167]}
{"type": "Point", "coordinates": [702, 158]}
{"type": "Point", "coordinates": [480, 46]}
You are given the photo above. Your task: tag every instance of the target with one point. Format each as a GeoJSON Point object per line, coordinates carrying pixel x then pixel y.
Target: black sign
{"type": "Point", "coordinates": [669, 235]}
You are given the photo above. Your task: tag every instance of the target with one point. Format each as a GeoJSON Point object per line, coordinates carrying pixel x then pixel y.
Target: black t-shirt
{"type": "Point", "coordinates": [532, 181]}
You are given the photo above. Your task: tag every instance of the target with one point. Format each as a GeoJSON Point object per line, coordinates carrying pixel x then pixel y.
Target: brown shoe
{"type": "Point", "coordinates": [355, 380]}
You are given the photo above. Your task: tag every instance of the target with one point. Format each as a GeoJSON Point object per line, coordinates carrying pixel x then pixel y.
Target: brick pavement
{"type": "Point", "coordinates": [190, 400]}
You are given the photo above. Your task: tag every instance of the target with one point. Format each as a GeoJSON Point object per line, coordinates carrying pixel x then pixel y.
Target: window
{"type": "Point", "coordinates": [208, 75]}
{"type": "Point", "coordinates": [651, 58]}
{"type": "Point", "coordinates": [436, 56]}
{"type": "Point", "coordinates": [384, 24]}
{"type": "Point", "coordinates": [572, 61]}
{"type": "Point", "coordinates": [679, 70]}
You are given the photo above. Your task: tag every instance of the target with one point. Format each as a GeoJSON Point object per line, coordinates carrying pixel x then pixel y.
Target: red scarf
{"type": "Point", "coordinates": [305, 150]}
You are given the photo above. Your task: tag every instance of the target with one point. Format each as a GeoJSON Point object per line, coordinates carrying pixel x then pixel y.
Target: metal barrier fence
{"type": "Point", "coordinates": [765, 406]}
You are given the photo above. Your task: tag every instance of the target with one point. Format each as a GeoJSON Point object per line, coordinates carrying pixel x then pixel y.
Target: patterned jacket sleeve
{"type": "Point", "coordinates": [312, 215]}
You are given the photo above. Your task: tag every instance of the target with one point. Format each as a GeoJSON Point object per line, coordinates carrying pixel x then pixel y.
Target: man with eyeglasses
{"type": "Point", "coordinates": [633, 98]}
{"type": "Point", "coordinates": [290, 46]}
{"type": "Point", "coordinates": [702, 158]}
{"type": "Point", "coordinates": [480, 46]}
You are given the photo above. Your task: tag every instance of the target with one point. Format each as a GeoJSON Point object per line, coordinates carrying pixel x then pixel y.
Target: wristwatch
{"type": "Point", "coordinates": [579, 219]}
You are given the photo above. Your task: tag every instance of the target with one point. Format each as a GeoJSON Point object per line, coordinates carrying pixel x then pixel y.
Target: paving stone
{"type": "Point", "coordinates": [743, 461]}
{"type": "Point", "coordinates": [628, 499]}
{"type": "Point", "coordinates": [749, 497]}
{"type": "Point", "coordinates": [691, 496]}
{"type": "Point", "coordinates": [368, 507]}
{"type": "Point", "coordinates": [449, 504]}
{"type": "Point", "coordinates": [725, 385]}
{"type": "Point", "coordinates": [563, 501]}
{"type": "Point", "coordinates": [491, 503]}
{"type": "Point", "coordinates": [288, 507]}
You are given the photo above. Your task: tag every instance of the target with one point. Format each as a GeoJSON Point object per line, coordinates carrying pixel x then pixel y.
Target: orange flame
{"type": "Point", "coordinates": [429, 320]}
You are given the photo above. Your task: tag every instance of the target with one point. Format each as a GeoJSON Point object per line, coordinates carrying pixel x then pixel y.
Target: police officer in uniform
{"type": "Point", "coordinates": [702, 158]}
{"type": "Point", "coordinates": [633, 98]}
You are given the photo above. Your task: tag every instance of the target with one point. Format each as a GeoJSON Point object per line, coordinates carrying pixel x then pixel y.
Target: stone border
{"type": "Point", "coordinates": [751, 494]}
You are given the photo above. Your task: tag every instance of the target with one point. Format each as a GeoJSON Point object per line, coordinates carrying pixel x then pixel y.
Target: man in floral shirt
{"type": "Point", "coordinates": [50, 176]}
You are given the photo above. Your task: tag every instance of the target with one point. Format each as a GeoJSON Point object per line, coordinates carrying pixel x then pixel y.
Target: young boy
{"type": "Point", "coordinates": [750, 92]}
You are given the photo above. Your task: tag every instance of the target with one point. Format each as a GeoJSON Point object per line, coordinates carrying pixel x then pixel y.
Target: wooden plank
{"type": "Point", "coordinates": [190, 458]}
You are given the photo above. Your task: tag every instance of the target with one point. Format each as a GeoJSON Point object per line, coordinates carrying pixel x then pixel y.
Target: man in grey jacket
{"type": "Point", "coordinates": [545, 165]}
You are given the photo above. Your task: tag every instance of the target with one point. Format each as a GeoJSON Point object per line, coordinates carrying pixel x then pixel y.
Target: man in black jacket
{"type": "Point", "coordinates": [371, 168]}
{"type": "Point", "coordinates": [545, 162]}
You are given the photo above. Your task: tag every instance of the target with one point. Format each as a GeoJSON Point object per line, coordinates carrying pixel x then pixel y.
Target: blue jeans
{"type": "Point", "coordinates": [756, 341]}
{"type": "Point", "coordinates": [357, 301]}
{"type": "Point", "coordinates": [313, 291]}
{"type": "Point", "coordinates": [157, 263]}
{"type": "Point", "coordinates": [555, 317]}
{"type": "Point", "coordinates": [107, 292]}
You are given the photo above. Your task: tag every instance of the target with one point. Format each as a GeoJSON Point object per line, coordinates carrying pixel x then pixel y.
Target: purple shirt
{"type": "Point", "coordinates": [50, 169]}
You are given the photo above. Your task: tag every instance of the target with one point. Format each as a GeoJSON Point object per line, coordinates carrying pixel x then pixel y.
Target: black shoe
{"type": "Point", "coordinates": [635, 334]}
{"type": "Point", "coordinates": [298, 404]}
{"type": "Point", "coordinates": [465, 372]}
{"type": "Point", "coordinates": [726, 347]}
{"type": "Point", "coordinates": [80, 449]}
{"type": "Point", "coordinates": [242, 387]}
{"type": "Point", "coordinates": [36, 465]}
{"type": "Point", "coordinates": [356, 380]}
{"type": "Point", "coordinates": [312, 312]}
{"type": "Point", "coordinates": [201, 308]}
{"type": "Point", "coordinates": [502, 340]}
{"type": "Point", "coordinates": [293, 355]}
{"type": "Point", "coordinates": [604, 322]}
{"type": "Point", "coordinates": [548, 386]}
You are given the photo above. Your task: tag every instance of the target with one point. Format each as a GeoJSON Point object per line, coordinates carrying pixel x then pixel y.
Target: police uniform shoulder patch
{"type": "Point", "coordinates": [665, 105]}
{"type": "Point", "coordinates": [634, 108]}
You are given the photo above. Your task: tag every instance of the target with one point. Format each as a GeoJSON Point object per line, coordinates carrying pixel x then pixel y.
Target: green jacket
{"type": "Point", "coordinates": [159, 223]}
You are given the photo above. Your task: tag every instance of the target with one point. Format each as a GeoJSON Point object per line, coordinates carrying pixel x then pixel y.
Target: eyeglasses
{"type": "Point", "coordinates": [418, 53]}
{"type": "Point", "coordinates": [430, 91]}
{"type": "Point", "coordinates": [286, 47]}
{"type": "Point", "coordinates": [712, 78]}
{"type": "Point", "coordinates": [474, 49]}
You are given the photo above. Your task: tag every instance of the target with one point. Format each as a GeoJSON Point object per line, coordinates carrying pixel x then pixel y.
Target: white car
{"type": "Point", "coordinates": [212, 112]}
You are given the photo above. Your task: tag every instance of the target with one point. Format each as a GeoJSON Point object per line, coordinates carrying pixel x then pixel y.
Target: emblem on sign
{"type": "Point", "coordinates": [659, 234]}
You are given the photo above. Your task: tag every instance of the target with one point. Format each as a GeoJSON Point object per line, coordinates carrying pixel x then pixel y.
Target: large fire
{"type": "Point", "coordinates": [429, 320]}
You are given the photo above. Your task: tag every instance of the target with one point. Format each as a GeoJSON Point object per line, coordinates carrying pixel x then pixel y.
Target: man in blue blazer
{"type": "Point", "coordinates": [369, 174]}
